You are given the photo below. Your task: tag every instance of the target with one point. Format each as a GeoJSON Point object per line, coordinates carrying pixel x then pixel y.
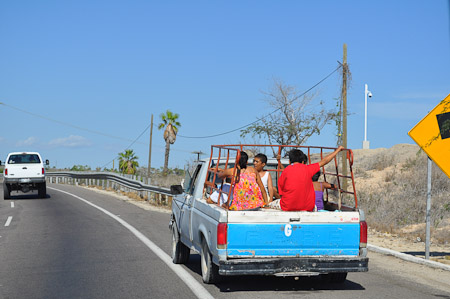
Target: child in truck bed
{"type": "Point", "coordinates": [259, 161]}
{"type": "Point", "coordinates": [225, 188]}
{"type": "Point", "coordinates": [318, 189]}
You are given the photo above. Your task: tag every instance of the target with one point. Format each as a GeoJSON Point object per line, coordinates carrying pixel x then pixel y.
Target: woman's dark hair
{"type": "Point", "coordinates": [243, 160]}
{"type": "Point", "coordinates": [315, 177]}
{"type": "Point", "coordinates": [262, 157]}
{"type": "Point", "coordinates": [297, 155]}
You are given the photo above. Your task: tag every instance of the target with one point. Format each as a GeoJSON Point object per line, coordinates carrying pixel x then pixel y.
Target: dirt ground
{"type": "Point", "coordinates": [438, 253]}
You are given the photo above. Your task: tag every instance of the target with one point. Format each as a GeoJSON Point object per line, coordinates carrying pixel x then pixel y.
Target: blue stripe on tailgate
{"type": "Point", "coordinates": [246, 240]}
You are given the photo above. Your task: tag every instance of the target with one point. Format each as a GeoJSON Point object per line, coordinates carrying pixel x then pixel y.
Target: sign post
{"type": "Point", "coordinates": [427, 228]}
{"type": "Point", "coordinates": [432, 134]}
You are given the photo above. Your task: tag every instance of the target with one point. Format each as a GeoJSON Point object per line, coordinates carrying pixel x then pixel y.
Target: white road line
{"type": "Point", "coordinates": [190, 281]}
{"type": "Point", "coordinates": [12, 204]}
{"type": "Point", "coordinates": [8, 221]}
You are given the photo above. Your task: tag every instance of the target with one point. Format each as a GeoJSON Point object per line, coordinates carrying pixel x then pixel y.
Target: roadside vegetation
{"type": "Point", "coordinates": [392, 190]}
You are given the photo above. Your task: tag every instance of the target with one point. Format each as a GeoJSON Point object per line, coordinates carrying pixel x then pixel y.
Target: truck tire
{"type": "Point", "coordinates": [6, 191]}
{"type": "Point", "coordinates": [42, 190]}
{"type": "Point", "coordinates": [180, 252]}
{"type": "Point", "coordinates": [335, 277]}
{"type": "Point", "coordinates": [210, 271]}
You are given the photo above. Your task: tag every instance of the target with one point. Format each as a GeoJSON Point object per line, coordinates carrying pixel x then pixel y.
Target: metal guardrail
{"type": "Point", "coordinates": [110, 180]}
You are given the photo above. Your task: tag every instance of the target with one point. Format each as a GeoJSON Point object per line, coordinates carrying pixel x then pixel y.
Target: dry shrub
{"type": "Point", "coordinates": [380, 162]}
{"type": "Point", "coordinates": [165, 180]}
{"type": "Point", "coordinates": [401, 200]}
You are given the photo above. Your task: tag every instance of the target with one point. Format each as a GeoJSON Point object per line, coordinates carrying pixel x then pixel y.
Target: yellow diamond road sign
{"type": "Point", "coordinates": [432, 134]}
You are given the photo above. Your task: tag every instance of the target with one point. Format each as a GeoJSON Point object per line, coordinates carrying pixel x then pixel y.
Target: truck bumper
{"type": "Point", "coordinates": [24, 180]}
{"type": "Point", "coordinates": [293, 266]}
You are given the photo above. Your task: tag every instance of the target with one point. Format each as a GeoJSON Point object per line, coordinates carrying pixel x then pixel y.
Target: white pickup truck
{"type": "Point", "coordinates": [24, 171]}
{"type": "Point", "coordinates": [264, 241]}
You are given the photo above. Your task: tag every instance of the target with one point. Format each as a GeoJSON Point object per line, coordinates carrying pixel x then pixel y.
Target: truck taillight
{"type": "Point", "coordinates": [6, 171]}
{"type": "Point", "coordinates": [43, 171]}
{"type": "Point", "coordinates": [221, 235]}
{"type": "Point", "coordinates": [363, 234]}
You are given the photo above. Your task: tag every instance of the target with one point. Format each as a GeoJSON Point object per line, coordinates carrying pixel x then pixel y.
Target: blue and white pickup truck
{"type": "Point", "coordinates": [265, 241]}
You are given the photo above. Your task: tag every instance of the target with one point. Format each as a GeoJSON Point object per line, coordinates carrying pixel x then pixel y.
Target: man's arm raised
{"type": "Point", "coordinates": [330, 157]}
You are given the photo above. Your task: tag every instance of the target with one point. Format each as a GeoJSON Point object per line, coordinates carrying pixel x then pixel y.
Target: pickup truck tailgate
{"type": "Point", "coordinates": [292, 234]}
{"type": "Point", "coordinates": [33, 170]}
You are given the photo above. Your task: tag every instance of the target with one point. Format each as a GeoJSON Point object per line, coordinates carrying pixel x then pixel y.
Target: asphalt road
{"type": "Point", "coordinates": [63, 247]}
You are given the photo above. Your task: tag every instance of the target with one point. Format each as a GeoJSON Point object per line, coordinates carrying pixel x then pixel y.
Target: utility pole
{"type": "Point", "coordinates": [150, 149]}
{"type": "Point", "coordinates": [344, 115]}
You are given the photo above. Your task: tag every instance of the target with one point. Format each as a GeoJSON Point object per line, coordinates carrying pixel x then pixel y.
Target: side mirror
{"type": "Point", "coordinates": [176, 189]}
{"type": "Point", "coordinates": [47, 162]}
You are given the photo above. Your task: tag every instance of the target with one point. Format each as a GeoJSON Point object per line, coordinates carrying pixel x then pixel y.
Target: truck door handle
{"type": "Point", "coordinates": [294, 219]}
{"type": "Point", "coordinates": [24, 168]}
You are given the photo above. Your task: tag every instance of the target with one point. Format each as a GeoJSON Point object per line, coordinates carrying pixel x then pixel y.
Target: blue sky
{"type": "Point", "coordinates": [91, 73]}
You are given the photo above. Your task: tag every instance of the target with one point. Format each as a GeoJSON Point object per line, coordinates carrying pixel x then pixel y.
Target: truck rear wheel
{"type": "Point", "coordinates": [180, 252]}
{"type": "Point", "coordinates": [210, 271]}
{"type": "Point", "coordinates": [42, 190]}
{"type": "Point", "coordinates": [6, 191]}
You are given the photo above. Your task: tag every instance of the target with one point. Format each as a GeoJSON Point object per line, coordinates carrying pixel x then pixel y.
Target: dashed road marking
{"type": "Point", "coordinates": [8, 221]}
{"type": "Point", "coordinates": [12, 204]}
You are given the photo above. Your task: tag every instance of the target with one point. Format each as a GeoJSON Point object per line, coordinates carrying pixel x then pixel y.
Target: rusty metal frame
{"type": "Point", "coordinates": [240, 147]}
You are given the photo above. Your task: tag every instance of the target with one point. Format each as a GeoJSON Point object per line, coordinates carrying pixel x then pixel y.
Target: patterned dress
{"type": "Point", "coordinates": [246, 194]}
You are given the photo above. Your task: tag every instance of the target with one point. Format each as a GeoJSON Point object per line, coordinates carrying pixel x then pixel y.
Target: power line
{"type": "Point", "coordinates": [86, 129]}
{"type": "Point", "coordinates": [66, 124]}
{"type": "Point", "coordinates": [254, 122]}
{"type": "Point", "coordinates": [129, 145]}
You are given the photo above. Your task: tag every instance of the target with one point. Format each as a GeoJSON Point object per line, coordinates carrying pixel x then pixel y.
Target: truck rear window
{"type": "Point", "coordinates": [24, 159]}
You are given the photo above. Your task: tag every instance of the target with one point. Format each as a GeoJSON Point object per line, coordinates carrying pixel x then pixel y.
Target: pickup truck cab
{"type": "Point", "coordinates": [24, 171]}
{"type": "Point", "coordinates": [265, 241]}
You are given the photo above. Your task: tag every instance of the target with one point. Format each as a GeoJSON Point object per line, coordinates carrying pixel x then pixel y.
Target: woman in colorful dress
{"type": "Point", "coordinates": [248, 187]}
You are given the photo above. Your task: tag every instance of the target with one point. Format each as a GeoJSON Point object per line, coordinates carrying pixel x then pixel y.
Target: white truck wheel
{"type": "Point", "coordinates": [180, 252]}
{"type": "Point", "coordinates": [210, 271]}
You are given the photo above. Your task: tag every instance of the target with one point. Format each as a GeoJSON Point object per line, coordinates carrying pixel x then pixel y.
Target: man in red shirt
{"type": "Point", "coordinates": [295, 184]}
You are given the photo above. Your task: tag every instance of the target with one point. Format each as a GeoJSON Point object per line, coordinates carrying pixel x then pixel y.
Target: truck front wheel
{"type": "Point", "coordinates": [6, 191]}
{"type": "Point", "coordinates": [42, 190]}
{"type": "Point", "coordinates": [180, 252]}
{"type": "Point", "coordinates": [210, 271]}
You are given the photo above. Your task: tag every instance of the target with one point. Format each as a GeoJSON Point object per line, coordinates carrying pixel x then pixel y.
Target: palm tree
{"type": "Point", "coordinates": [171, 125]}
{"type": "Point", "coordinates": [128, 162]}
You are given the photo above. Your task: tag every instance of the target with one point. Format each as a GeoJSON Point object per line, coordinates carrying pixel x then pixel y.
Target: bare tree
{"type": "Point", "coordinates": [294, 118]}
